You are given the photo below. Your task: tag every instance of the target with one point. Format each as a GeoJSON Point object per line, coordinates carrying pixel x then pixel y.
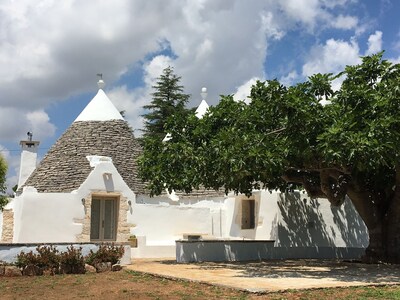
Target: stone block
{"type": "Point", "coordinates": [90, 269]}
{"type": "Point", "coordinates": [32, 270]}
{"type": "Point", "coordinates": [12, 271]}
{"type": "Point", "coordinates": [116, 267]}
{"type": "Point", "coordinates": [103, 267]}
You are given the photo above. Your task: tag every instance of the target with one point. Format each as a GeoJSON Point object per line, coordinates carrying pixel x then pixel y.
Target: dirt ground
{"type": "Point", "coordinates": [128, 284]}
{"type": "Point", "coordinates": [275, 275]}
{"type": "Point", "coordinates": [110, 285]}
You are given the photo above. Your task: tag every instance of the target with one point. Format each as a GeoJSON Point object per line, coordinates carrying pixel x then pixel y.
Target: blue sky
{"type": "Point", "coordinates": [51, 51]}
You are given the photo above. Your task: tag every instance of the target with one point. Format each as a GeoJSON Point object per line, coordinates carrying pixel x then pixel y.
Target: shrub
{"type": "Point", "coordinates": [46, 258]}
{"type": "Point", "coordinates": [72, 261]}
{"type": "Point", "coordinates": [49, 257]}
{"type": "Point", "coordinates": [24, 259]}
{"type": "Point", "coordinates": [105, 253]}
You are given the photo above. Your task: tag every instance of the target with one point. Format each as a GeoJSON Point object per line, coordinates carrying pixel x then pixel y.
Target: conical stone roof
{"type": "Point", "coordinates": [65, 167]}
{"type": "Point", "coordinates": [98, 130]}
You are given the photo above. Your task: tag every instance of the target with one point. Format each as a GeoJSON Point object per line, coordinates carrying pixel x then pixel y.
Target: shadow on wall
{"type": "Point", "coordinates": [301, 223]}
{"type": "Point", "coordinates": [351, 226]}
{"type": "Point", "coordinates": [304, 222]}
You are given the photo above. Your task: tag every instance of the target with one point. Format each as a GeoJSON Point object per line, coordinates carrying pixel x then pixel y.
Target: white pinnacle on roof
{"type": "Point", "coordinates": [200, 111]}
{"type": "Point", "coordinates": [100, 108]}
{"type": "Point", "coordinates": [203, 107]}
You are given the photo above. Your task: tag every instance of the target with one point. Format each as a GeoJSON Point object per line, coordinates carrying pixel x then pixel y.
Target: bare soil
{"type": "Point", "coordinates": [134, 285]}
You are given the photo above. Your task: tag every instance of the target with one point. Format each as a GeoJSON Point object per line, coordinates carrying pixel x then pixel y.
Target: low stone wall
{"type": "Point", "coordinates": [9, 252]}
{"type": "Point", "coordinates": [228, 250]}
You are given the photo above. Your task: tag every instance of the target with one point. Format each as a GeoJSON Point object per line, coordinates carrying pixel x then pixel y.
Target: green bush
{"type": "Point", "coordinates": [72, 261]}
{"type": "Point", "coordinates": [46, 258]}
{"type": "Point", "coordinates": [49, 257]}
{"type": "Point", "coordinates": [105, 253]}
{"type": "Point", "coordinates": [24, 259]}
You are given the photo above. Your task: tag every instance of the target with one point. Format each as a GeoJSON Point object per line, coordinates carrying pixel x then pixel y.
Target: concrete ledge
{"type": "Point", "coordinates": [228, 250]}
{"type": "Point", "coordinates": [222, 250]}
{"type": "Point", "coordinates": [9, 251]}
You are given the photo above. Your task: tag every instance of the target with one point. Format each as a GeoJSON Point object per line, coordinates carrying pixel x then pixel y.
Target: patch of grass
{"type": "Point", "coordinates": [350, 293]}
{"type": "Point", "coordinates": [386, 292]}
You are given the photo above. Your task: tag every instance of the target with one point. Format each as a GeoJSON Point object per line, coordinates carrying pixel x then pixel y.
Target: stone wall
{"type": "Point", "coordinates": [8, 226]}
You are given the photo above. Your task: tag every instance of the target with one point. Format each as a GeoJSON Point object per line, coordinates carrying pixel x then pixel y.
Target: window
{"type": "Point", "coordinates": [248, 214]}
{"type": "Point", "coordinates": [103, 219]}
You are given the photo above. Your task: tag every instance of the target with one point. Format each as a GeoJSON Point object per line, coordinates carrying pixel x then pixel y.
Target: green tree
{"type": "Point", "coordinates": [285, 139]}
{"type": "Point", "coordinates": [168, 101]}
{"type": "Point", "coordinates": [3, 188]}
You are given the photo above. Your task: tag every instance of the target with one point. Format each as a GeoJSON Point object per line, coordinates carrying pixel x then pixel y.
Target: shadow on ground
{"type": "Point", "coordinates": [308, 268]}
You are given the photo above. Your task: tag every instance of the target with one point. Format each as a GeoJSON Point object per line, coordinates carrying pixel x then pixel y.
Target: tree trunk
{"type": "Point", "coordinates": [380, 209]}
{"type": "Point", "coordinates": [383, 223]}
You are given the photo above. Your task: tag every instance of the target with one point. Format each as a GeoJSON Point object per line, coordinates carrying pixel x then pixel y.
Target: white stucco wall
{"type": "Point", "coordinates": [104, 178]}
{"type": "Point", "coordinates": [308, 222]}
{"type": "Point", "coordinates": [266, 216]}
{"type": "Point", "coordinates": [289, 219]}
{"type": "Point", "coordinates": [48, 217]}
{"type": "Point", "coordinates": [296, 220]}
{"type": "Point", "coordinates": [28, 162]}
{"type": "Point", "coordinates": [56, 217]}
{"type": "Point", "coordinates": [163, 221]}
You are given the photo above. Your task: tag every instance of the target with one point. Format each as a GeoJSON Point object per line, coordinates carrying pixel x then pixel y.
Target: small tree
{"type": "Point", "coordinates": [3, 188]}
{"type": "Point", "coordinates": [168, 101]}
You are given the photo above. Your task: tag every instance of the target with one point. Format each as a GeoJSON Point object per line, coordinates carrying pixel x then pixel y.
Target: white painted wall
{"type": "Point", "coordinates": [105, 178]}
{"type": "Point", "coordinates": [48, 217]}
{"type": "Point", "coordinates": [54, 217]}
{"type": "Point", "coordinates": [28, 161]}
{"type": "Point", "coordinates": [307, 222]}
{"type": "Point", "coordinates": [163, 221]}
{"type": "Point", "coordinates": [290, 219]}
{"type": "Point", "coordinates": [296, 220]}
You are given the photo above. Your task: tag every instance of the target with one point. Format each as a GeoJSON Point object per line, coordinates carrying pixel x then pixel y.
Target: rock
{"type": "Point", "coordinates": [72, 269]}
{"type": "Point", "coordinates": [103, 267]}
{"type": "Point", "coordinates": [50, 271]}
{"type": "Point", "coordinates": [32, 270]}
{"type": "Point", "coordinates": [90, 269]}
{"type": "Point", "coordinates": [12, 271]}
{"type": "Point", "coordinates": [2, 268]}
{"type": "Point", "coordinates": [116, 267]}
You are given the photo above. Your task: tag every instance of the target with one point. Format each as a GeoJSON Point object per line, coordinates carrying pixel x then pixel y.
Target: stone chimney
{"type": "Point", "coordinates": [28, 159]}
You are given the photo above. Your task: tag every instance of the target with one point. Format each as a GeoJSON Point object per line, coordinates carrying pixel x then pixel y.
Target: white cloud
{"type": "Point", "coordinates": [243, 91]}
{"type": "Point", "coordinates": [290, 78]}
{"type": "Point", "coordinates": [132, 101]}
{"type": "Point", "coordinates": [331, 57]}
{"type": "Point", "coordinates": [15, 123]}
{"type": "Point", "coordinates": [374, 43]}
{"type": "Point", "coordinates": [305, 11]}
{"type": "Point", "coordinates": [40, 124]}
{"type": "Point", "coordinates": [345, 22]}
{"type": "Point", "coordinates": [51, 50]}
{"type": "Point", "coordinates": [154, 69]}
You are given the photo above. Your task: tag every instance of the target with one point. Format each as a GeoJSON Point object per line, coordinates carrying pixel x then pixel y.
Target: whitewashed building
{"type": "Point", "coordinates": [86, 189]}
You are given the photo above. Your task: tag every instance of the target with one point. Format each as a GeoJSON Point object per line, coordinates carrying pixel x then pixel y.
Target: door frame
{"type": "Point", "coordinates": [102, 198]}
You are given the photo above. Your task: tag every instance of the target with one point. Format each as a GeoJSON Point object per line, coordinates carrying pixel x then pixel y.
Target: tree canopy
{"type": "Point", "coordinates": [3, 188]}
{"type": "Point", "coordinates": [285, 139]}
{"type": "Point", "coordinates": [168, 100]}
